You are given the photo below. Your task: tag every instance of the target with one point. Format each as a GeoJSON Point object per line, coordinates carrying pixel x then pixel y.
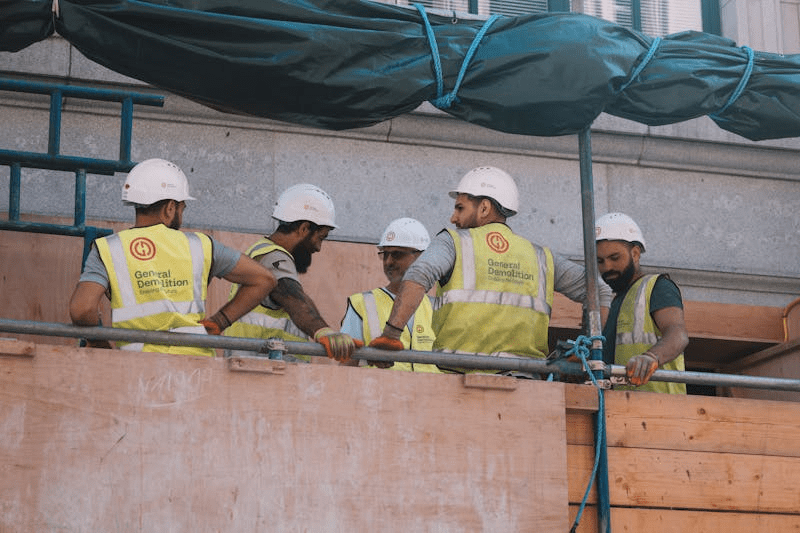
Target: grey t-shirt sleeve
{"type": "Point", "coordinates": [281, 265]}
{"type": "Point", "coordinates": [435, 263]}
{"type": "Point", "coordinates": [570, 280]}
{"type": "Point", "coordinates": [94, 269]}
{"type": "Point", "coordinates": [223, 259]}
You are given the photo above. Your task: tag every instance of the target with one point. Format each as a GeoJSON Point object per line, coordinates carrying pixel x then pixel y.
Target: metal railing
{"type": "Point", "coordinates": [470, 361]}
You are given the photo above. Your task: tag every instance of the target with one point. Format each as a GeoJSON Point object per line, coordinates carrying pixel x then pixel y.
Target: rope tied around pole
{"type": "Point", "coordinates": [581, 350]}
{"type": "Point", "coordinates": [444, 101]}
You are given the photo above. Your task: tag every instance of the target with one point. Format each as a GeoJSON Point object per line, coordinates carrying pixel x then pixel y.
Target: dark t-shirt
{"type": "Point", "coordinates": [665, 294]}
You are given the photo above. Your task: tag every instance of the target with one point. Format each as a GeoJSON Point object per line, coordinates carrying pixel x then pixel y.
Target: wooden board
{"type": "Point", "coordinates": [691, 480]}
{"type": "Point", "coordinates": [702, 423]}
{"type": "Point", "coordinates": [98, 440]}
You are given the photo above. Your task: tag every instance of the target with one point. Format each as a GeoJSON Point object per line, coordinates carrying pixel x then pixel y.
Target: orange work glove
{"type": "Point", "coordinates": [212, 328]}
{"type": "Point", "coordinates": [641, 367]}
{"type": "Point", "coordinates": [386, 343]}
{"type": "Point", "coordinates": [339, 346]}
{"type": "Point", "coordinates": [216, 324]}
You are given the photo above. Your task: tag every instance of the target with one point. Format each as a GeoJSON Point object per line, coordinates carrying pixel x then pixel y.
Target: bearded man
{"type": "Point", "coordinates": [305, 216]}
{"type": "Point", "coordinates": [645, 329]}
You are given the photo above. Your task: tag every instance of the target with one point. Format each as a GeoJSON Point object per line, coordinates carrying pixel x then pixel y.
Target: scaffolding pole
{"type": "Point", "coordinates": [483, 362]}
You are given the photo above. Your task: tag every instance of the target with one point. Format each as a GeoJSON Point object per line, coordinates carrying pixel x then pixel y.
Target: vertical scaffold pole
{"type": "Point", "coordinates": [595, 324]}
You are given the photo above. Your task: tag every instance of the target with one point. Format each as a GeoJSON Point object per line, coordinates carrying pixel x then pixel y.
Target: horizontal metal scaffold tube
{"type": "Point", "coordinates": [449, 360]}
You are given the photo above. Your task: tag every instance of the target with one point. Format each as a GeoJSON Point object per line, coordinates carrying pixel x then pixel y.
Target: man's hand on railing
{"type": "Point", "coordinates": [339, 346]}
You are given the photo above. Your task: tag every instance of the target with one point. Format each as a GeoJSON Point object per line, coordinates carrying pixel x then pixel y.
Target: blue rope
{"type": "Point", "coordinates": [581, 349]}
{"type": "Point", "coordinates": [748, 71]}
{"type": "Point", "coordinates": [444, 101]}
{"type": "Point", "coordinates": [650, 53]}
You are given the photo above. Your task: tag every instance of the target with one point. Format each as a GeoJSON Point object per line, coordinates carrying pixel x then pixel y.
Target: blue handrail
{"type": "Point", "coordinates": [80, 166]}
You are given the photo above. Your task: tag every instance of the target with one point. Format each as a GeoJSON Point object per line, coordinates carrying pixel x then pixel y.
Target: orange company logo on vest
{"type": "Point", "coordinates": [143, 249]}
{"type": "Point", "coordinates": [497, 242]}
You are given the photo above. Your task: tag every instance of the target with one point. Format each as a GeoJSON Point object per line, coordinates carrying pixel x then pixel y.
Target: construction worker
{"type": "Point", "coordinates": [645, 328]}
{"type": "Point", "coordinates": [305, 216]}
{"type": "Point", "coordinates": [156, 276]}
{"type": "Point", "coordinates": [495, 288]}
{"type": "Point", "coordinates": [403, 240]}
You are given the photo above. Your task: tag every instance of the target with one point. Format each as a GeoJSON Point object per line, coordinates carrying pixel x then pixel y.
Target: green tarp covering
{"type": "Point", "coordinates": [346, 63]}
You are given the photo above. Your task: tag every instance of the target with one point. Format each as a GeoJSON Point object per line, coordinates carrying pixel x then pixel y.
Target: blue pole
{"type": "Point", "coordinates": [595, 323]}
{"type": "Point", "coordinates": [13, 191]}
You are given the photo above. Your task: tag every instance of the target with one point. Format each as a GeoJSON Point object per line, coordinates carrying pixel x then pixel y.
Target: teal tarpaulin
{"type": "Point", "coordinates": [343, 64]}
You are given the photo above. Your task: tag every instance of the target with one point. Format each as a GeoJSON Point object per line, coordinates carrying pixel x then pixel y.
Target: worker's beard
{"type": "Point", "coordinates": [302, 256]}
{"type": "Point", "coordinates": [620, 280]}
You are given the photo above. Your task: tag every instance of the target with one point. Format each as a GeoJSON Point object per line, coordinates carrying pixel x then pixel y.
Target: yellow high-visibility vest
{"type": "Point", "coordinates": [158, 278]}
{"type": "Point", "coordinates": [374, 308]}
{"type": "Point", "coordinates": [499, 296]}
{"type": "Point", "coordinates": [637, 332]}
{"type": "Point", "coordinates": [263, 322]}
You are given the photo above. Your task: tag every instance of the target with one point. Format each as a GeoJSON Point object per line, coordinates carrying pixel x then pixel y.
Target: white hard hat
{"type": "Point", "coordinates": [492, 182]}
{"type": "Point", "coordinates": [305, 202]}
{"type": "Point", "coordinates": [154, 180]}
{"type": "Point", "coordinates": [618, 227]}
{"type": "Point", "coordinates": [406, 232]}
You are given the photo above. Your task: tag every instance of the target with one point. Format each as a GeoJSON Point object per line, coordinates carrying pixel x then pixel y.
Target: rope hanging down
{"type": "Point", "coordinates": [444, 101]}
{"type": "Point", "coordinates": [581, 350]}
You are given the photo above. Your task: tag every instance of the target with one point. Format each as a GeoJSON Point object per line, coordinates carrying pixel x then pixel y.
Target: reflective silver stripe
{"type": "Point", "coordinates": [525, 301]}
{"type": "Point", "coordinates": [629, 338]}
{"type": "Point", "coordinates": [199, 330]}
{"type": "Point", "coordinates": [372, 315]}
{"type": "Point", "coordinates": [639, 310]}
{"type": "Point", "coordinates": [541, 295]}
{"type": "Point", "coordinates": [119, 259]}
{"type": "Point", "coordinates": [266, 321]}
{"type": "Point", "coordinates": [198, 262]}
{"type": "Point", "coordinates": [146, 309]}
{"type": "Point", "coordinates": [467, 259]}
{"type": "Point", "coordinates": [134, 347]}
{"type": "Point", "coordinates": [139, 346]}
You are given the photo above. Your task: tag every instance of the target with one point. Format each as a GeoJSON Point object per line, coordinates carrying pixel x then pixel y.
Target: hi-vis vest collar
{"type": "Point", "coordinates": [470, 294]}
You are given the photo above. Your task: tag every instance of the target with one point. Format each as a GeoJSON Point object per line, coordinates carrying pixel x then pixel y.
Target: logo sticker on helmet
{"type": "Point", "coordinates": [390, 236]}
{"type": "Point", "coordinates": [497, 242]}
{"type": "Point", "coordinates": [143, 248]}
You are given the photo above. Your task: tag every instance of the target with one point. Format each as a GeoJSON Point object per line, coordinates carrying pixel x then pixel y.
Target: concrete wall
{"type": "Point", "coordinates": [718, 212]}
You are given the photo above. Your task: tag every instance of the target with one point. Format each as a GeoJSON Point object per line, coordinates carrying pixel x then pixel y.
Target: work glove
{"type": "Point", "coordinates": [339, 346]}
{"type": "Point", "coordinates": [641, 367]}
{"type": "Point", "coordinates": [385, 343]}
{"type": "Point", "coordinates": [216, 324]}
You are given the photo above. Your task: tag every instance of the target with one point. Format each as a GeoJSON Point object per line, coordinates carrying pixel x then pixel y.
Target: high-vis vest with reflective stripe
{"type": "Point", "coordinates": [263, 322]}
{"type": "Point", "coordinates": [637, 332]}
{"type": "Point", "coordinates": [374, 308]}
{"type": "Point", "coordinates": [499, 296]}
{"type": "Point", "coordinates": [158, 278]}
